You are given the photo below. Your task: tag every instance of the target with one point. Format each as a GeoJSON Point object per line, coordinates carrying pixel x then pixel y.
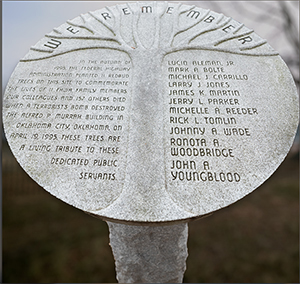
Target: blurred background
{"type": "Point", "coordinates": [45, 240]}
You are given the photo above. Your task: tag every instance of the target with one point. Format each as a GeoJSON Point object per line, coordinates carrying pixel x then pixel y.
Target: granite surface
{"type": "Point", "coordinates": [150, 112]}
{"type": "Point", "coordinates": [149, 254]}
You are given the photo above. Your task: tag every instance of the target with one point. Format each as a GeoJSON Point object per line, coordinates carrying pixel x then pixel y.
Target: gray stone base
{"type": "Point", "coordinates": [148, 254]}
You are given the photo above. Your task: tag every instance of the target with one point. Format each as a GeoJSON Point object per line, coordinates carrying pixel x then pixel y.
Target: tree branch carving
{"type": "Point", "coordinates": [190, 32]}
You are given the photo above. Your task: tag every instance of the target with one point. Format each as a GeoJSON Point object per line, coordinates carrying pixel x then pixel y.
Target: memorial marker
{"type": "Point", "coordinates": [150, 113]}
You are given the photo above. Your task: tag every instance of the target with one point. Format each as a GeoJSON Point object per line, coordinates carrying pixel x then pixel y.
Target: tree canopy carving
{"type": "Point", "coordinates": [162, 26]}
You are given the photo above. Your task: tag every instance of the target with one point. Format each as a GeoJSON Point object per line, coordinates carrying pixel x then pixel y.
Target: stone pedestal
{"type": "Point", "coordinates": [148, 254]}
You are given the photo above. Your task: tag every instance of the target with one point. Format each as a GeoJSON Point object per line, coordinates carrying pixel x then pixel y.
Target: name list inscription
{"type": "Point", "coordinates": [207, 113]}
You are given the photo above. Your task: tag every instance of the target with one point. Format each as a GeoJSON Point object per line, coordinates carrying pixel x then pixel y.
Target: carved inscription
{"type": "Point", "coordinates": [74, 114]}
{"type": "Point", "coordinates": [212, 123]}
{"type": "Point", "coordinates": [205, 106]}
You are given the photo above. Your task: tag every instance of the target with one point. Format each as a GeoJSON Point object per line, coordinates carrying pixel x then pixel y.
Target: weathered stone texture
{"type": "Point", "coordinates": [149, 254]}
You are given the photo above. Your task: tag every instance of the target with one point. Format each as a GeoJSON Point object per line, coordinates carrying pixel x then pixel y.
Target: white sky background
{"type": "Point", "coordinates": [24, 23]}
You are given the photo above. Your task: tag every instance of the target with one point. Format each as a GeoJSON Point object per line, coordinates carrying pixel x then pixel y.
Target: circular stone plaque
{"type": "Point", "coordinates": [150, 112]}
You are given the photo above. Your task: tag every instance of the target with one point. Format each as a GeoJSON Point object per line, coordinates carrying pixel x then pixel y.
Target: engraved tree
{"type": "Point", "coordinates": [145, 29]}
{"type": "Point", "coordinates": [147, 32]}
